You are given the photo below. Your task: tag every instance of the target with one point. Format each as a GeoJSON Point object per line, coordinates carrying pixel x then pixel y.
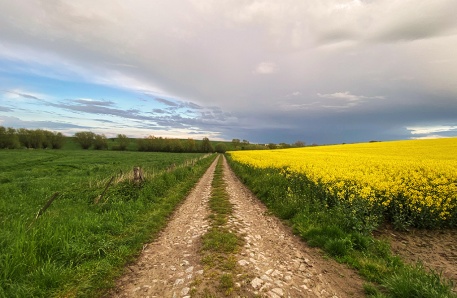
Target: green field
{"type": "Point", "coordinates": [77, 247]}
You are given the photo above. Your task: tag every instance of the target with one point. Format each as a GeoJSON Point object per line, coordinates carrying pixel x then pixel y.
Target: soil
{"type": "Point", "coordinates": [275, 262]}
{"type": "Point", "coordinates": [435, 249]}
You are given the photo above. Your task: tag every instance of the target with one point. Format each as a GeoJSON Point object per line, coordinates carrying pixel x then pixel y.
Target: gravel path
{"type": "Point", "coordinates": [167, 267]}
{"type": "Point", "coordinates": [277, 263]}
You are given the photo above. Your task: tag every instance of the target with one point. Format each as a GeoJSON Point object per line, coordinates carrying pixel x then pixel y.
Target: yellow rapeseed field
{"type": "Point", "coordinates": [419, 173]}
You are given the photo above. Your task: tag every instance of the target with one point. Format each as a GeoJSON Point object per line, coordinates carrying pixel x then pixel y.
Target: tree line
{"type": "Point", "coordinates": [11, 138]}
{"type": "Point", "coordinates": [159, 144]}
{"type": "Point", "coordinates": [149, 144]}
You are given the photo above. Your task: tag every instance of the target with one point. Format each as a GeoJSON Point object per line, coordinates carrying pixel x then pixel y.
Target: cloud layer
{"type": "Point", "coordinates": [324, 71]}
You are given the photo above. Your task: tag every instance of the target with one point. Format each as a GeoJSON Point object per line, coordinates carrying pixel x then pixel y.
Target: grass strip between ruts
{"type": "Point", "coordinates": [219, 245]}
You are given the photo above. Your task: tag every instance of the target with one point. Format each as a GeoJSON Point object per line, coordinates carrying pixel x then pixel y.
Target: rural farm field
{"type": "Point", "coordinates": [200, 227]}
{"type": "Point", "coordinates": [77, 245]}
{"type": "Point", "coordinates": [335, 196]}
{"type": "Point", "coordinates": [410, 183]}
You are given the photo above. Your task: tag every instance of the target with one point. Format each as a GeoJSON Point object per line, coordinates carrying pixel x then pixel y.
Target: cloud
{"type": "Point", "coordinates": [340, 95]}
{"type": "Point", "coordinates": [159, 111]}
{"type": "Point", "coordinates": [192, 105]}
{"type": "Point", "coordinates": [265, 68]}
{"type": "Point", "coordinates": [100, 108]}
{"type": "Point", "coordinates": [427, 130]}
{"type": "Point", "coordinates": [92, 102]}
{"type": "Point", "coordinates": [28, 96]}
{"type": "Point", "coordinates": [266, 64]}
{"type": "Point", "coordinates": [17, 93]}
{"type": "Point", "coordinates": [5, 109]}
{"type": "Point", "coordinates": [166, 102]}
{"type": "Point", "coordinates": [51, 125]}
{"type": "Point", "coordinates": [346, 95]}
{"type": "Point", "coordinates": [429, 137]}
{"type": "Point", "coordinates": [337, 101]}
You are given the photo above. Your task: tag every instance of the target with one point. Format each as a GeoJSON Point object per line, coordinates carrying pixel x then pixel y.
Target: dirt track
{"type": "Point", "coordinates": [275, 261]}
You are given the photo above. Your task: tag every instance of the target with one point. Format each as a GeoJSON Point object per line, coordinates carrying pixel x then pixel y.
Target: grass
{"type": "Point", "coordinates": [412, 282]}
{"type": "Point", "coordinates": [338, 232]}
{"type": "Point", "coordinates": [219, 244]}
{"type": "Point", "coordinates": [77, 248]}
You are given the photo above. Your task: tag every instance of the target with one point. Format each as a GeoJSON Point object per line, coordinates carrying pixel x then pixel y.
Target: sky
{"type": "Point", "coordinates": [266, 71]}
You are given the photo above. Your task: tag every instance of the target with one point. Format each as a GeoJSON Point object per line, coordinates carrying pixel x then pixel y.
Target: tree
{"type": "Point", "coordinates": [100, 142]}
{"type": "Point", "coordinates": [190, 145]}
{"type": "Point", "coordinates": [8, 138]}
{"type": "Point", "coordinates": [85, 139]}
{"type": "Point", "coordinates": [206, 146]}
{"type": "Point", "coordinates": [37, 139]}
{"type": "Point", "coordinates": [176, 145]}
{"type": "Point", "coordinates": [244, 144]}
{"type": "Point", "coordinates": [299, 144]}
{"type": "Point", "coordinates": [271, 146]}
{"type": "Point", "coordinates": [24, 137]}
{"type": "Point", "coordinates": [123, 142]}
{"type": "Point", "coordinates": [57, 140]}
{"type": "Point", "coordinates": [236, 143]}
{"type": "Point", "coordinates": [283, 145]}
{"type": "Point", "coordinates": [220, 148]}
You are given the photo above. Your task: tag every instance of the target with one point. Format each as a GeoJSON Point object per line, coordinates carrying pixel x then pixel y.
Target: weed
{"type": "Point", "coordinates": [226, 283]}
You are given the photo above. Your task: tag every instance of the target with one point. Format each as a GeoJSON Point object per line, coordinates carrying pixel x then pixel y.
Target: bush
{"type": "Point", "coordinates": [85, 139]}
{"type": "Point", "coordinates": [123, 142]}
{"type": "Point", "coordinates": [100, 142]}
{"type": "Point", "coordinates": [220, 148]}
{"type": "Point", "coordinates": [8, 138]}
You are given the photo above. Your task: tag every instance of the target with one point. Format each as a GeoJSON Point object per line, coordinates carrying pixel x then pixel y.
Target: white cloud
{"type": "Point", "coordinates": [346, 95]}
{"type": "Point", "coordinates": [429, 137]}
{"type": "Point", "coordinates": [294, 94]}
{"type": "Point", "coordinates": [265, 68]}
{"type": "Point", "coordinates": [340, 95]}
{"type": "Point", "coordinates": [426, 130]}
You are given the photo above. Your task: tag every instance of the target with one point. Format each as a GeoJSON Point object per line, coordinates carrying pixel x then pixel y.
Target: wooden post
{"type": "Point", "coordinates": [138, 175]}
{"type": "Point", "coordinates": [48, 203]}
{"type": "Point", "coordinates": [104, 191]}
{"type": "Point", "coordinates": [43, 209]}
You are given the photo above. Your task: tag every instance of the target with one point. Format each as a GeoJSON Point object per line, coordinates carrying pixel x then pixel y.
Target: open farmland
{"type": "Point", "coordinates": [77, 245]}
{"type": "Point", "coordinates": [410, 183]}
{"type": "Point", "coordinates": [345, 199]}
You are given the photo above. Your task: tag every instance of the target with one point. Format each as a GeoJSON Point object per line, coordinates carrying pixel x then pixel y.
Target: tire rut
{"type": "Point", "coordinates": [273, 261]}
{"type": "Point", "coordinates": [279, 262]}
